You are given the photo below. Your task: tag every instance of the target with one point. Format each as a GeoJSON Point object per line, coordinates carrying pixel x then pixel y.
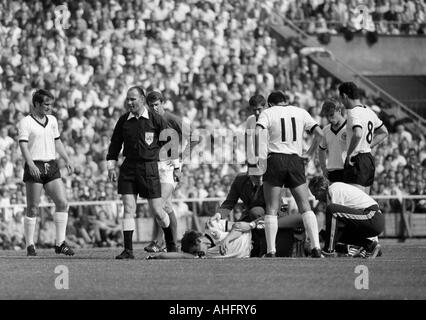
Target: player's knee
{"type": "Point", "coordinates": [129, 208]}
{"type": "Point", "coordinates": [62, 205]}
{"type": "Point", "coordinates": [32, 211]}
{"type": "Point", "coordinates": [168, 207]}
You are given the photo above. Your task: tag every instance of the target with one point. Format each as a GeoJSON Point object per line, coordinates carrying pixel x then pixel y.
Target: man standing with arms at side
{"type": "Point", "coordinates": [39, 140]}
{"type": "Point", "coordinates": [282, 154]}
{"type": "Point", "coordinates": [332, 149]}
{"type": "Point", "coordinates": [364, 131]}
{"type": "Point", "coordinates": [139, 130]}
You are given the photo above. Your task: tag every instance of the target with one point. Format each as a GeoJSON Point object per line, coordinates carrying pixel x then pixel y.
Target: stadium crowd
{"type": "Point", "coordinates": [207, 58]}
{"type": "Point", "coordinates": [385, 17]}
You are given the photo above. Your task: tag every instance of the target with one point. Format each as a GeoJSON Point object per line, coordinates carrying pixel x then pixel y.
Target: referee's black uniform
{"type": "Point", "coordinates": [140, 136]}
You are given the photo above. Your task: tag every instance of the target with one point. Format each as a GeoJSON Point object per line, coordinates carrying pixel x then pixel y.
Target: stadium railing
{"type": "Point", "coordinates": [401, 223]}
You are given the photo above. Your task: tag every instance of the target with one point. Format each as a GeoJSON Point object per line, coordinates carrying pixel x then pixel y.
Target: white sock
{"type": "Point", "coordinates": [60, 219]}
{"type": "Point", "coordinates": [129, 224]}
{"type": "Point", "coordinates": [29, 228]}
{"type": "Point", "coordinates": [164, 220]}
{"type": "Point", "coordinates": [271, 229]}
{"type": "Point", "coordinates": [311, 227]}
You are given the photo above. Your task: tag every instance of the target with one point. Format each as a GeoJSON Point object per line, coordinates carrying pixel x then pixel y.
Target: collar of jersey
{"type": "Point", "coordinates": [144, 115]}
{"type": "Point", "coordinates": [338, 130]}
{"type": "Point", "coordinates": [43, 125]}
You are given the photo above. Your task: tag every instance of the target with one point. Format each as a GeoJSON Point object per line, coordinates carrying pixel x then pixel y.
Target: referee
{"type": "Point", "coordinates": [139, 130]}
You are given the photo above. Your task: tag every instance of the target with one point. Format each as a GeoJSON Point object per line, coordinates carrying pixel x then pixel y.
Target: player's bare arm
{"type": "Point", "coordinates": [34, 171]}
{"type": "Point", "coordinates": [356, 138]}
{"type": "Point", "coordinates": [318, 135]}
{"type": "Point", "coordinates": [61, 151]}
{"type": "Point", "coordinates": [380, 134]}
{"type": "Point", "coordinates": [322, 156]}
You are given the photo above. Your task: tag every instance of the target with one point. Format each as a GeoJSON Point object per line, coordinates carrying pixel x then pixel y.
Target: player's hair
{"type": "Point", "coordinates": [190, 241]}
{"type": "Point", "coordinates": [330, 106]}
{"type": "Point", "coordinates": [318, 183]}
{"type": "Point", "coordinates": [39, 96]}
{"type": "Point", "coordinates": [256, 100]}
{"type": "Point", "coordinates": [154, 96]}
{"type": "Point", "coordinates": [350, 89]}
{"type": "Point", "coordinates": [277, 97]}
{"type": "Point", "coordinates": [139, 89]}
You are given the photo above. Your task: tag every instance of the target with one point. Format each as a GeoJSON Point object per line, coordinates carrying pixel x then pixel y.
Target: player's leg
{"type": "Point", "coordinates": [166, 194]}
{"type": "Point", "coordinates": [301, 196]}
{"type": "Point", "coordinates": [163, 219]}
{"type": "Point", "coordinates": [33, 193]}
{"type": "Point", "coordinates": [272, 200]}
{"type": "Point", "coordinates": [56, 191]}
{"type": "Point", "coordinates": [129, 204]}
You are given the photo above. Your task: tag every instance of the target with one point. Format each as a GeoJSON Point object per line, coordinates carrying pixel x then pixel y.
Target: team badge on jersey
{"type": "Point", "coordinates": [344, 136]}
{"type": "Point", "coordinates": [149, 137]}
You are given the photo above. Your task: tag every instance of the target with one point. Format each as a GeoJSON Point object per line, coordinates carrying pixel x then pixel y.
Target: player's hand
{"type": "Point", "coordinates": [241, 226]}
{"type": "Point", "coordinates": [34, 171]}
{"type": "Point", "coordinates": [69, 168]}
{"type": "Point", "coordinates": [177, 174]}
{"type": "Point", "coordinates": [112, 175]}
{"type": "Point", "coordinates": [349, 162]}
{"type": "Point", "coordinates": [306, 157]}
{"type": "Point", "coordinates": [223, 247]}
{"type": "Point", "coordinates": [216, 217]}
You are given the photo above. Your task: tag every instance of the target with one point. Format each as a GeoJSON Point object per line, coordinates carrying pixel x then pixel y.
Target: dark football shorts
{"type": "Point", "coordinates": [336, 175]}
{"type": "Point", "coordinates": [286, 170]}
{"type": "Point", "coordinates": [49, 171]}
{"type": "Point", "coordinates": [138, 177]}
{"type": "Point", "coordinates": [363, 170]}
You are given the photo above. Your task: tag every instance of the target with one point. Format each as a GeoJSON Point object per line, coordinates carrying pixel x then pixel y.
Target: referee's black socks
{"type": "Point", "coordinates": [128, 240]}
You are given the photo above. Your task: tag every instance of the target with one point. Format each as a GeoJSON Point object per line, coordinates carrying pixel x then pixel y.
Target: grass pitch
{"type": "Point", "coordinates": [94, 274]}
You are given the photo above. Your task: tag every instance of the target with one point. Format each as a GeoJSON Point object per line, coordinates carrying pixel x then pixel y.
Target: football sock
{"type": "Point", "coordinates": [128, 228]}
{"type": "Point", "coordinates": [60, 219]}
{"type": "Point", "coordinates": [173, 225]}
{"type": "Point", "coordinates": [29, 228]}
{"type": "Point", "coordinates": [311, 227]}
{"type": "Point", "coordinates": [271, 229]}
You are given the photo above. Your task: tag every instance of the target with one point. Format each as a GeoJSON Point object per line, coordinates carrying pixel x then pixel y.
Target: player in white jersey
{"type": "Point", "coordinates": [332, 149]}
{"type": "Point", "coordinates": [282, 152]}
{"type": "Point", "coordinates": [352, 216]}
{"type": "Point", "coordinates": [364, 131]}
{"type": "Point", "coordinates": [39, 140]}
{"type": "Point", "coordinates": [256, 103]}
{"type": "Point", "coordinates": [222, 239]}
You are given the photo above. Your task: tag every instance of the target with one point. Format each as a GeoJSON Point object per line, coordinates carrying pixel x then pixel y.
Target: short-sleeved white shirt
{"type": "Point", "coordinates": [368, 121]}
{"type": "Point", "coordinates": [286, 125]}
{"type": "Point", "coordinates": [349, 196]}
{"type": "Point", "coordinates": [41, 138]}
{"type": "Point", "coordinates": [334, 141]}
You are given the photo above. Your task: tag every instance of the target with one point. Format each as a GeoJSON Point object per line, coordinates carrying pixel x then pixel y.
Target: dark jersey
{"type": "Point", "coordinates": [139, 136]}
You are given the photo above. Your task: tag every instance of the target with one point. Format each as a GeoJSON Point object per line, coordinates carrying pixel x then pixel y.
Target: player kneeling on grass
{"type": "Point", "coordinates": [224, 239]}
{"type": "Point", "coordinates": [352, 216]}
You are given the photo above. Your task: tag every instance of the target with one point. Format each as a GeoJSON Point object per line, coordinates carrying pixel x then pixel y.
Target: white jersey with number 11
{"type": "Point", "coordinates": [286, 125]}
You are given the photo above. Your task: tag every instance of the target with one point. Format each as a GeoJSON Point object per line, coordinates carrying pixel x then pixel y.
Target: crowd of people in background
{"type": "Point", "coordinates": [384, 17]}
{"type": "Point", "coordinates": [206, 57]}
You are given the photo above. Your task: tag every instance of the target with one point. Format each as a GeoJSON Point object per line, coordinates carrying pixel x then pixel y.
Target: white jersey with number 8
{"type": "Point", "coordinates": [368, 121]}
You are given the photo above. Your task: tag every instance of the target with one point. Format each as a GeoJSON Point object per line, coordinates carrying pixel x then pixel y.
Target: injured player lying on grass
{"type": "Point", "coordinates": [226, 239]}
